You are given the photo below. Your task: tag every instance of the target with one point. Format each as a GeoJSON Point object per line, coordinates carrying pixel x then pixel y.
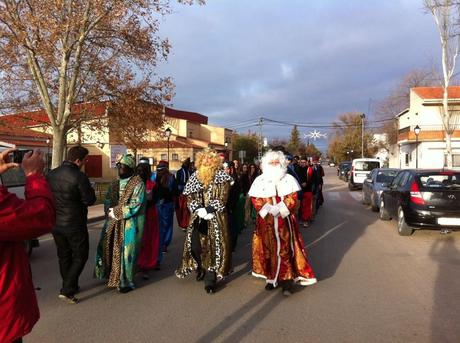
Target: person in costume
{"type": "Point", "coordinates": [167, 191]}
{"type": "Point", "coordinates": [306, 203]}
{"type": "Point", "coordinates": [278, 253]}
{"type": "Point", "coordinates": [124, 205]}
{"type": "Point", "coordinates": [182, 212]}
{"type": "Point", "coordinates": [207, 246]}
{"type": "Point", "coordinates": [150, 246]}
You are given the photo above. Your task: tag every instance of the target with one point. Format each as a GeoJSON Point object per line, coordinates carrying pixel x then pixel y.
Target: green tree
{"type": "Point", "coordinates": [346, 141]}
{"type": "Point", "coordinates": [295, 143]}
{"type": "Point", "coordinates": [245, 142]}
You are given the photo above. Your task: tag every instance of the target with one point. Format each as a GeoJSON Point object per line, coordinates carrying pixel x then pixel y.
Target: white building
{"type": "Point", "coordinates": [424, 112]}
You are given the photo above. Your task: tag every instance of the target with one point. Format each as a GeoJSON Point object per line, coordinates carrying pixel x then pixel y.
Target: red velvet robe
{"type": "Point", "coordinates": [278, 251]}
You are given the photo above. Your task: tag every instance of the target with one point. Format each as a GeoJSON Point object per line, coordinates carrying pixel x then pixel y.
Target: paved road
{"type": "Point", "coordinates": [374, 286]}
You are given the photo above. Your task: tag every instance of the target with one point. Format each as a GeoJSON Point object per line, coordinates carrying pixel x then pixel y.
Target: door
{"type": "Point", "coordinates": [93, 168]}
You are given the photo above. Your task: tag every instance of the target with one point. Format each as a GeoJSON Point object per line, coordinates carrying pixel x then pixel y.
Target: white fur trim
{"type": "Point", "coordinates": [264, 210]}
{"type": "Point", "coordinates": [304, 281]}
{"type": "Point", "coordinates": [284, 211]}
{"type": "Point", "coordinates": [265, 188]}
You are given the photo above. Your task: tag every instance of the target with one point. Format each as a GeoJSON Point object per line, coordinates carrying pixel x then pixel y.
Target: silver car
{"type": "Point", "coordinates": [373, 185]}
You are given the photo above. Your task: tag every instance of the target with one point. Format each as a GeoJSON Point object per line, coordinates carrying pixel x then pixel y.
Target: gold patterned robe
{"type": "Point", "coordinates": [278, 251]}
{"type": "Point", "coordinates": [216, 250]}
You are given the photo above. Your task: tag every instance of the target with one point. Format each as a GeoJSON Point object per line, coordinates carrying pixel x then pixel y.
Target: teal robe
{"type": "Point", "coordinates": [116, 257]}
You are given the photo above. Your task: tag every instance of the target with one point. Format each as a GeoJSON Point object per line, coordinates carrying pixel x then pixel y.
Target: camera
{"type": "Point", "coordinates": [18, 155]}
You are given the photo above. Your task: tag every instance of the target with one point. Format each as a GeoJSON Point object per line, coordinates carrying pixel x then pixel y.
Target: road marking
{"type": "Point", "coordinates": [356, 195]}
{"type": "Point", "coordinates": [338, 226]}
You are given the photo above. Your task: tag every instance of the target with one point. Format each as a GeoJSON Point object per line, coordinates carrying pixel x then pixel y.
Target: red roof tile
{"type": "Point", "coordinates": [437, 92]}
{"type": "Point", "coordinates": [14, 131]}
{"type": "Point", "coordinates": [172, 145]}
{"type": "Point", "coordinates": [191, 116]}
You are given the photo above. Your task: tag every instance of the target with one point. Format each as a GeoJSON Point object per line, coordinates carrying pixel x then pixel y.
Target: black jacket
{"type": "Point", "coordinates": [73, 194]}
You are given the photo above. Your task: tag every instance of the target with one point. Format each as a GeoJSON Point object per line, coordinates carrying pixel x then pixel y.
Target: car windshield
{"type": "Point", "coordinates": [345, 165]}
{"type": "Point", "coordinates": [441, 180]}
{"type": "Point", "coordinates": [13, 177]}
{"type": "Point", "coordinates": [386, 176]}
{"type": "Point", "coordinates": [366, 165]}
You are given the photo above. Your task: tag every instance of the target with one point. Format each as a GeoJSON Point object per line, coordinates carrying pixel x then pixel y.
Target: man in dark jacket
{"type": "Point", "coordinates": [21, 219]}
{"type": "Point", "coordinates": [73, 194]}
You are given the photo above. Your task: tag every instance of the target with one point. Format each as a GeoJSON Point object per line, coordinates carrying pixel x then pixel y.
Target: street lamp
{"type": "Point", "coordinates": [362, 134]}
{"type": "Point", "coordinates": [48, 141]}
{"type": "Point", "coordinates": [417, 130]}
{"type": "Point", "coordinates": [100, 145]}
{"type": "Point", "coordinates": [168, 136]}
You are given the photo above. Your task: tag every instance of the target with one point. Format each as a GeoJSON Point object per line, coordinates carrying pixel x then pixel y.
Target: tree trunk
{"type": "Point", "coordinates": [59, 145]}
{"type": "Point", "coordinates": [449, 162]}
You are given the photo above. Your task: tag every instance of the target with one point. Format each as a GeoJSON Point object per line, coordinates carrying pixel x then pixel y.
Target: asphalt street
{"type": "Point", "coordinates": [373, 286]}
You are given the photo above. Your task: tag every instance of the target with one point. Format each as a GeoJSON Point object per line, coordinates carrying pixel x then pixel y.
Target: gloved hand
{"type": "Point", "coordinates": [111, 214]}
{"type": "Point", "coordinates": [201, 212]}
{"type": "Point", "coordinates": [274, 210]}
{"type": "Point", "coordinates": [208, 216]}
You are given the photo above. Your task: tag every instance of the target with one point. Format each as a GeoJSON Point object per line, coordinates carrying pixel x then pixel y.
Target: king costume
{"type": "Point", "coordinates": [278, 253]}
{"type": "Point", "coordinates": [207, 246]}
{"type": "Point", "coordinates": [121, 234]}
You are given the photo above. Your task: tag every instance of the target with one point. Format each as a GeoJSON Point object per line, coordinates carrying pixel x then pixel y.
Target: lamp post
{"type": "Point", "coordinates": [168, 136]}
{"type": "Point", "coordinates": [48, 141]}
{"type": "Point", "coordinates": [363, 116]}
{"type": "Point", "coordinates": [226, 150]}
{"type": "Point", "coordinates": [417, 130]}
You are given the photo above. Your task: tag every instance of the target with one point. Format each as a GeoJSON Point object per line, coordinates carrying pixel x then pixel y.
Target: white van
{"type": "Point", "coordinates": [360, 168]}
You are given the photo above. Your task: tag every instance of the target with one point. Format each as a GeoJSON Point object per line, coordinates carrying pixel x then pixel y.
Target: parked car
{"type": "Point", "coordinates": [14, 180]}
{"type": "Point", "coordinates": [422, 199]}
{"type": "Point", "coordinates": [343, 169]}
{"type": "Point", "coordinates": [331, 164]}
{"type": "Point", "coordinates": [373, 186]}
{"type": "Point", "coordinates": [360, 168]}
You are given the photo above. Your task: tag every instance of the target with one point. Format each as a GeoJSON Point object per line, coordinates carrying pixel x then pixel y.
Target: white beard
{"type": "Point", "coordinates": [274, 173]}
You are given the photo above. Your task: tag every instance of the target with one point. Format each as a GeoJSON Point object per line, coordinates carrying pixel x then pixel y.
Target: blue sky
{"type": "Point", "coordinates": [293, 60]}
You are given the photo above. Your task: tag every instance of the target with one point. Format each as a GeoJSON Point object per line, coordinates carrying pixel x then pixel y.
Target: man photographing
{"type": "Point", "coordinates": [21, 220]}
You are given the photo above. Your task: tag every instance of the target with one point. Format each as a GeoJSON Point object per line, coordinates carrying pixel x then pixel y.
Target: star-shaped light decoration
{"type": "Point", "coordinates": [315, 135]}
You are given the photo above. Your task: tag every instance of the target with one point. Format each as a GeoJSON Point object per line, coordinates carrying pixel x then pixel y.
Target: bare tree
{"type": "Point", "coordinates": [56, 53]}
{"type": "Point", "coordinates": [397, 101]}
{"type": "Point", "coordinates": [446, 14]}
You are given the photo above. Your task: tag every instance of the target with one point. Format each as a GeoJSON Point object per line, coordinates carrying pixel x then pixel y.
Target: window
{"type": "Point", "coordinates": [406, 159]}
{"type": "Point", "coordinates": [455, 160]}
{"type": "Point", "coordinates": [386, 176]}
{"type": "Point", "coordinates": [164, 157]}
{"type": "Point", "coordinates": [441, 180]}
{"type": "Point", "coordinates": [402, 182]}
{"type": "Point", "coordinates": [366, 165]}
{"type": "Point", "coordinates": [175, 157]}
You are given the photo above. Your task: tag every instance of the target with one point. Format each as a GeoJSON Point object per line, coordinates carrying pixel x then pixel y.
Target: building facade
{"type": "Point", "coordinates": [189, 134]}
{"type": "Point", "coordinates": [427, 148]}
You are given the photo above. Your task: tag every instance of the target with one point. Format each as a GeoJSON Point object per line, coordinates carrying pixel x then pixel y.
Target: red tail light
{"type": "Point", "coordinates": [415, 194]}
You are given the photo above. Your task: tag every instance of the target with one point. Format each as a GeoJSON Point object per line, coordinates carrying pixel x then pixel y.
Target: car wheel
{"type": "Point", "coordinates": [403, 228]}
{"type": "Point", "coordinates": [374, 207]}
{"type": "Point", "coordinates": [350, 186]}
{"type": "Point", "coordinates": [383, 213]}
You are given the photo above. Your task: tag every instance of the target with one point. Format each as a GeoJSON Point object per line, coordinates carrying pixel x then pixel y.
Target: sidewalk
{"type": "Point", "coordinates": [95, 213]}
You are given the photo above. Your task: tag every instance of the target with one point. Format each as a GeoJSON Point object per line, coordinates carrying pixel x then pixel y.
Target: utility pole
{"type": "Point", "coordinates": [362, 135]}
{"type": "Point", "coordinates": [260, 145]}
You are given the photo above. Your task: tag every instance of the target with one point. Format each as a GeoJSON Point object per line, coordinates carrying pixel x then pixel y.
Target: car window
{"type": "Point", "coordinates": [403, 180]}
{"type": "Point", "coordinates": [366, 165]}
{"type": "Point", "coordinates": [397, 179]}
{"type": "Point", "coordinates": [440, 180]}
{"type": "Point", "coordinates": [386, 176]}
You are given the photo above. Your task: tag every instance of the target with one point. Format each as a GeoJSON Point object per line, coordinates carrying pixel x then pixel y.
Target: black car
{"type": "Point", "coordinates": [14, 180]}
{"type": "Point", "coordinates": [343, 170]}
{"type": "Point", "coordinates": [422, 199]}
